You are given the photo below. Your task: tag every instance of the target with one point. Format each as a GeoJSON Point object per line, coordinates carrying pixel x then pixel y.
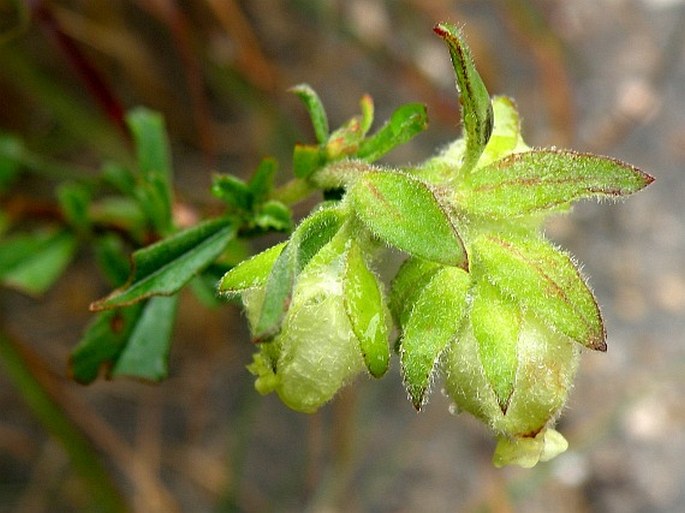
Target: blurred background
{"type": "Point", "coordinates": [605, 76]}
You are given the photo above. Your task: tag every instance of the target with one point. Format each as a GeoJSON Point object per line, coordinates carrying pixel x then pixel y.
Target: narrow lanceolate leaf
{"type": "Point", "coordinates": [166, 266]}
{"type": "Point", "coordinates": [147, 350]}
{"type": "Point", "coordinates": [538, 180]}
{"type": "Point", "coordinates": [406, 122]}
{"type": "Point", "coordinates": [476, 109]}
{"type": "Point", "coordinates": [366, 310]}
{"type": "Point", "coordinates": [496, 323]}
{"type": "Point", "coordinates": [309, 237]}
{"type": "Point", "coordinates": [262, 181]}
{"type": "Point", "coordinates": [404, 212]}
{"type": "Point", "coordinates": [433, 323]}
{"type": "Point", "coordinates": [407, 285]}
{"type": "Point", "coordinates": [32, 262]}
{"type": "Point", "coordinates": [250, 273]}
{"type": "Point", "coordinates": [543, 280]}
{"type": "Point", "coordinates": [102, 343]}
{"type": "Point", "coordinates": [154, 163]}
{"type": "Point", "coordinates": [316, 111]}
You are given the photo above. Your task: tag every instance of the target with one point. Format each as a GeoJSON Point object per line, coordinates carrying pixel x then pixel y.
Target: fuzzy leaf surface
{"type": "Point", "coordinates": [406, 122]}
{"type": "Point", "coordinates": [539, 180]}
{"type": "Point", "coordinates": [476, 109]}
{"type": "Point", "coordinates": [405, 213]}
{"type": "Point", "coordinates": [496, 323]}
{"type": "Point", "coordinates": [432, 325]}
{"type": "Point", "coordinates": [310, 236]}
{"type": "Point", "coordinates": [544, 280]}
{"type": "Point", "coordinates": [316, 110]}
{"type": "Point", "coordinates": [366, 310]}
{"type": "Point", "coordinates": [407, 285]}
{"type": "Point", "coordinates": [166, 266]}
{"type": "Point", "coordinates": [250, 273]}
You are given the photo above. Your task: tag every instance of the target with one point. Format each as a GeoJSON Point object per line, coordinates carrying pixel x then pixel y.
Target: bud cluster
{"type": "Point", "coordinates": [484, 301]}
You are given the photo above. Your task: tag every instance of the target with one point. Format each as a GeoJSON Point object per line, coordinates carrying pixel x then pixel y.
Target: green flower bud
{"type": "Point", "coordinates": [316, 352]}
{"type": "Point", "coordinates": [511, 371]}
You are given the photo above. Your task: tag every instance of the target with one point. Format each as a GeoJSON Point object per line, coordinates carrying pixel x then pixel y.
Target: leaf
{"type": "Point", "coordinates": [74, 200]}
{"type": "Point", "coordinates": [154, 163]}
{"type": "Point", "coordinates": [166, 266]}
{"type": "Point", "coordinates": [539, 180]}
{"type": "Point", "coordinates": [543, 280]}
{"type": "Point", "coordinates": [367, 108]}
{"type": "Point", "coordinates": [307, 159]}
{"type": "Point", "coordinates": [103, 341]}
{"type": "Point", "coordinates": [32, 262]}
{"type": "Point", "coordinates": [11, 150]}
{"type": "Point", "coordinates": [496, 324]}
{"type": "Point", "coordinates": [147, 350]}
{"type": "Point", "coordinates": [274, 215]}
{"type": "Point", "coordinates": [310, 236]}
{"type": "Point", "coordinates": [432, 325]}
{"type": "Point", "coordinates": [406, 122]}
{"type": "Point", "coordinates": [365, 308]}
{"type": "Point", "coordinates": [316, 110]}
{"type": "Point", "coordinates": [476, 113]}
{"type": "Point", "coordinates": [407, 286]}
{"type": "Point", "coordinates": [233, 191]}
{"type": "Point", "coordinates": [262, 181]}
{"type": "Point", "coordinates": [251, 273]}
{"type": "Point", "coordinates": [405, 213]}
{"type": "Point", "coordinates": [110, 256]}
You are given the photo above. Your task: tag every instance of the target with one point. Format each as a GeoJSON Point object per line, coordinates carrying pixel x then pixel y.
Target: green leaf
{"type": "Point", "coordinates": [496, 324]}
{"type": "Point", "coordinates": [11, 150]}
{"type": "Point", "coordinates": [251, 273]}
{"type": "Point", "coordinates": [543, 280]}
{"type": "Point", "coordinates": [539, 180]}
{"type": "Point", "coordinates": [274, 215]}
{"type": "Point", "coordinates": [311, 235]}
{"type": "Point", "coordinates": [316, 111]}
{"type": "Point", "coordinates": [102, 343]}
{"type": "Point", "coordinates": [477, 115]}
{"type": "Point", "coordinates": [112, 259]}
{"type": "Point", "coordinates": [262, 181]}
{"type": "Point", "coordinates": [74, 200]}
{"type": "Point", "coordinates": [407, 285]}
{"type": "Point", "coordinates": [405, 213]}
{"type": "Point", "coordinates": [307, 159]}
{"type": "Point", "coordinates": [154, 163]}
{"type": "Point", "coordinates": [432, 325]}
{"type": "Point", "coordinates": [367, 108]}
{"type": "Point", "coordinates": [120, 177]}
{"type": "Point", "coordinates": [146, 353]}
{"type": "Point", "coordinates": [366, 310]}
{"type": "Point", "coordinates": [406, 122]}
{"type": "Point", "coordinates": [166, 266]}
{"type": "Point", "coordinates": [32, 262]}
{"type": "Point", "coordinates": [233, 191]}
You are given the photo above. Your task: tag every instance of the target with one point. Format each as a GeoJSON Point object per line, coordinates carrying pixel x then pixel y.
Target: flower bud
{"type": "Point", "coordinates": [511, 371]}
{"type": "Point", "coordinates": [316, 352]}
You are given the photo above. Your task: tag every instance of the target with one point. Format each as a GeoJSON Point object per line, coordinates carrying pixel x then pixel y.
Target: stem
{"type": "Point", "coordinates": [293, 191]}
